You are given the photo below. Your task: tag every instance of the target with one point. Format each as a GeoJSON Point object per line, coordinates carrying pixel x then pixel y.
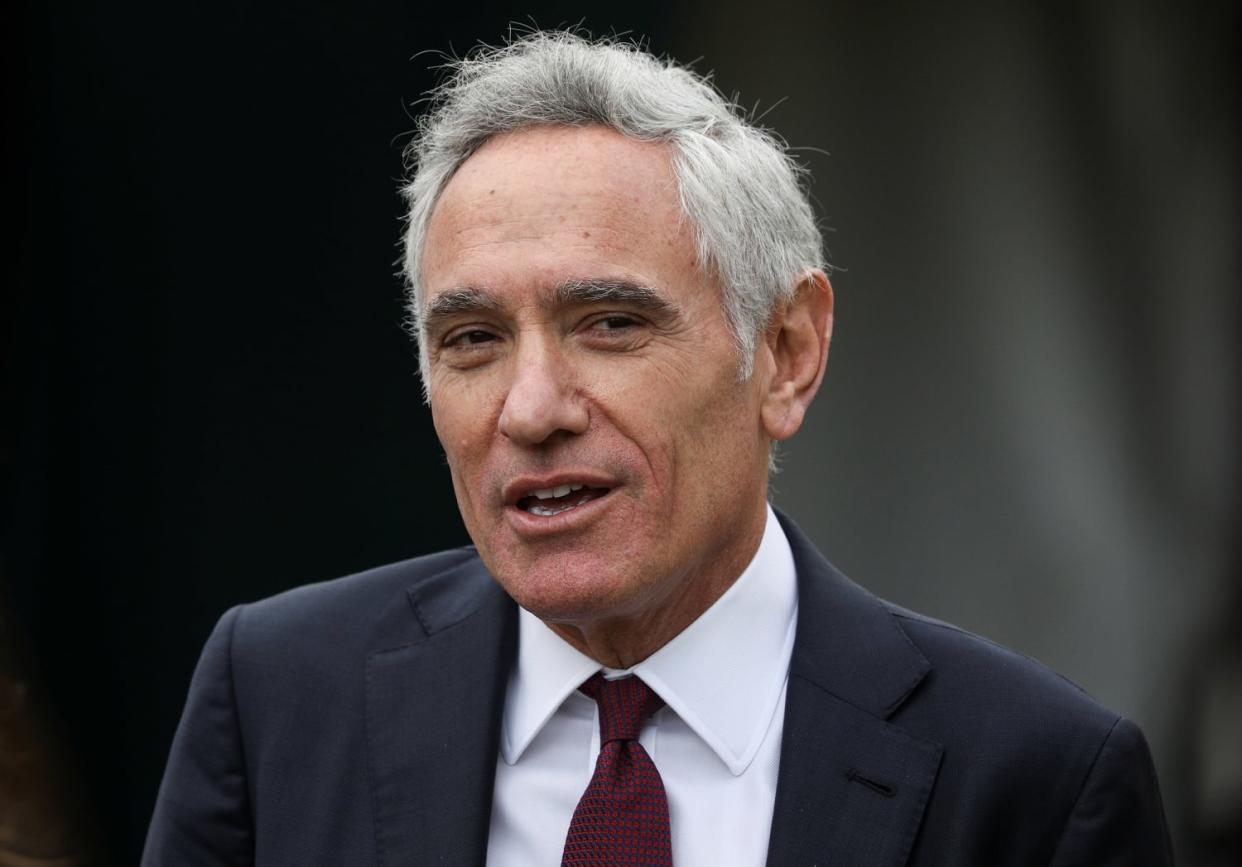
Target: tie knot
{"type": "Point", "coordinates": [623, 706]}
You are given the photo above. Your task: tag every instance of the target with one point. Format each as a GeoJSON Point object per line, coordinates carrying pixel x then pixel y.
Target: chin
{"type": "Point", "coordinates": [566, 595]}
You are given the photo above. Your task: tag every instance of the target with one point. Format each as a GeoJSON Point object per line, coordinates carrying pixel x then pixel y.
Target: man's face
{"type": "Point", "coordinates": [607, 461]}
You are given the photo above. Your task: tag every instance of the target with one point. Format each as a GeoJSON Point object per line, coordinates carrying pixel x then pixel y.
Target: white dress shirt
{"type": "Point", "coordinates": [716, 743]}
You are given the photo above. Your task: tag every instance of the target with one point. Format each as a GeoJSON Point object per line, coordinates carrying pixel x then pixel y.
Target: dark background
{"type": "Point", "coordinates": [1029, 426]}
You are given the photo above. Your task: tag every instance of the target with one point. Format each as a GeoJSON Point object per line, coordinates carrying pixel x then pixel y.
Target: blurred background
{"type": "Point", "coordinates": [1029, 426]}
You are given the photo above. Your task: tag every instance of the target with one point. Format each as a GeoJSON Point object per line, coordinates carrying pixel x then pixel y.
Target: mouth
{"type": "Point", "coordinates": [548, 502]}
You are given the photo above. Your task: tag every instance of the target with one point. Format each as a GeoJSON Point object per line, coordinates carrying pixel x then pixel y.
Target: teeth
{"type": "Point", "coordinates": [552, 493]}
{"type": "Point", "coordinates": [548, 511]}
{"type": "Point", "coordinates": [539, 508]}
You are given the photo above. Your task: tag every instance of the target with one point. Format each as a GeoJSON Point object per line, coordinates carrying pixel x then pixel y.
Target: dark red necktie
{"type": "Point", "coordinates": [622, 819]}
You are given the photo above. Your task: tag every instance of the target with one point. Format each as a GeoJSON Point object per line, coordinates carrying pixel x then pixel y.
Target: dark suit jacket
{"type": "Point", "coordinates": [356, 722]}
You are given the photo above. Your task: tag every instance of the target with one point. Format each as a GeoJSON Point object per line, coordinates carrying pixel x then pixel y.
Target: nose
{"type": "Point", "coordinates": [542, 398]}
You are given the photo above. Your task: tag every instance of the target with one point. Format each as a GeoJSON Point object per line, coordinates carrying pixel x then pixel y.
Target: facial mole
{"type": "Point", "coordinates": [586, 234]}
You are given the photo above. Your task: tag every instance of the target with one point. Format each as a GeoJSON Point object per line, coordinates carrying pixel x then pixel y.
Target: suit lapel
{"type": "Point", "coordinates": [851, 786]}
{"type": "Point", "coordinates": [433, 721]}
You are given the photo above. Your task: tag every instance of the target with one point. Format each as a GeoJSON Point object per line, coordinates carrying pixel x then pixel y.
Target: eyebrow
{"type": "Point", "coordinates": [469, 299]}
{"type": "Point", "coordinates": [613, 291]}
{"type": "Point", "coordinates": [455, 301]}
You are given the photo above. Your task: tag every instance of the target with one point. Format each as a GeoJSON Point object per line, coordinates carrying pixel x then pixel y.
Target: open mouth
{"type": "Point", "coordinates": [547, 502]}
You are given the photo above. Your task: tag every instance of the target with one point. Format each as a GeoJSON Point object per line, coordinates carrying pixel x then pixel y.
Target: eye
{"type": "Point", "coordinates": [469, 337]}
{"type": "Point", "coordinates": [615, 322]}
{"type": "Point", "coordinates": [613, 332]}
{"type": "Point", "coordinates": [468, 346]}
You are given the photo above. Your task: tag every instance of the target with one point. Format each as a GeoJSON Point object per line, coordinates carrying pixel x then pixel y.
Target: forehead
{"type": "Point", "coordinates": [551, 203]}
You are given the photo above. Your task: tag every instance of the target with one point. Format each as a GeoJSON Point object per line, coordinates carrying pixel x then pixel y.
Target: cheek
{"type": "Point", "coordinates": [723, 439]}
{"type": "Point", "coordinates": [464, 416]}
{"type": "Point", "coordinates": [699, 439]}
{"type": "Point", "coordinates": [463, 440]}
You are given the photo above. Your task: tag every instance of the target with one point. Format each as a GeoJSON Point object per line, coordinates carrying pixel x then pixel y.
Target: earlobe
{"type": "Point", "coordinates": [797, 342]}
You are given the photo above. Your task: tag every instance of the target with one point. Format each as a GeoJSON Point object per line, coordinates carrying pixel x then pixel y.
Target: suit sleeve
{"type": "Point", "coordinates": [202, 814]}
{"type": "Point", "coordinates": [1118, 818]}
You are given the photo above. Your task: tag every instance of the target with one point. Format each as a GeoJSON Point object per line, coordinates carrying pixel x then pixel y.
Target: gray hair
{"type": "Point", "coordinates": [755, 229]}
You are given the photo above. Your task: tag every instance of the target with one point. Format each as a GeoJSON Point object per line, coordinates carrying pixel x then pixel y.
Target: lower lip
{"type": "Point", "coordinates": [534, 526]}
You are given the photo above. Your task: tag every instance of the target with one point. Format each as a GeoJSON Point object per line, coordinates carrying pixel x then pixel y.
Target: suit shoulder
{"type": "Point", "coordinates": [1028, 757]}
{"type": "Point", "coordinates": [351, 607]}
{"type": "Point", "coordinates": [361, 587]}
{"type": "Point", "coordinates": [996, 681]}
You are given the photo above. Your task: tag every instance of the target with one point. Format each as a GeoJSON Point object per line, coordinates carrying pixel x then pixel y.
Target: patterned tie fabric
{"type": "Point", "coordinates": [622, 819]}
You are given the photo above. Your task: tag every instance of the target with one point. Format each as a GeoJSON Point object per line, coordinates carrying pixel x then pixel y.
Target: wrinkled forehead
{"type": "Point", "coordinates": [555, 194]}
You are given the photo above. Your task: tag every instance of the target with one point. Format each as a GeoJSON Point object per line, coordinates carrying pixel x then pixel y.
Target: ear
{"type": "Point", "coordinates": [796, 345]}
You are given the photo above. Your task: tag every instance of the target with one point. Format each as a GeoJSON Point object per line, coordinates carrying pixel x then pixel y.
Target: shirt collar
{"type": "Point", "coordinates": [722, 675]}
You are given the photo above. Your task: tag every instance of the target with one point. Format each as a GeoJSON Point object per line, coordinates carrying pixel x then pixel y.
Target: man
{"type": "Point", "coordinates": [621, 305]}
